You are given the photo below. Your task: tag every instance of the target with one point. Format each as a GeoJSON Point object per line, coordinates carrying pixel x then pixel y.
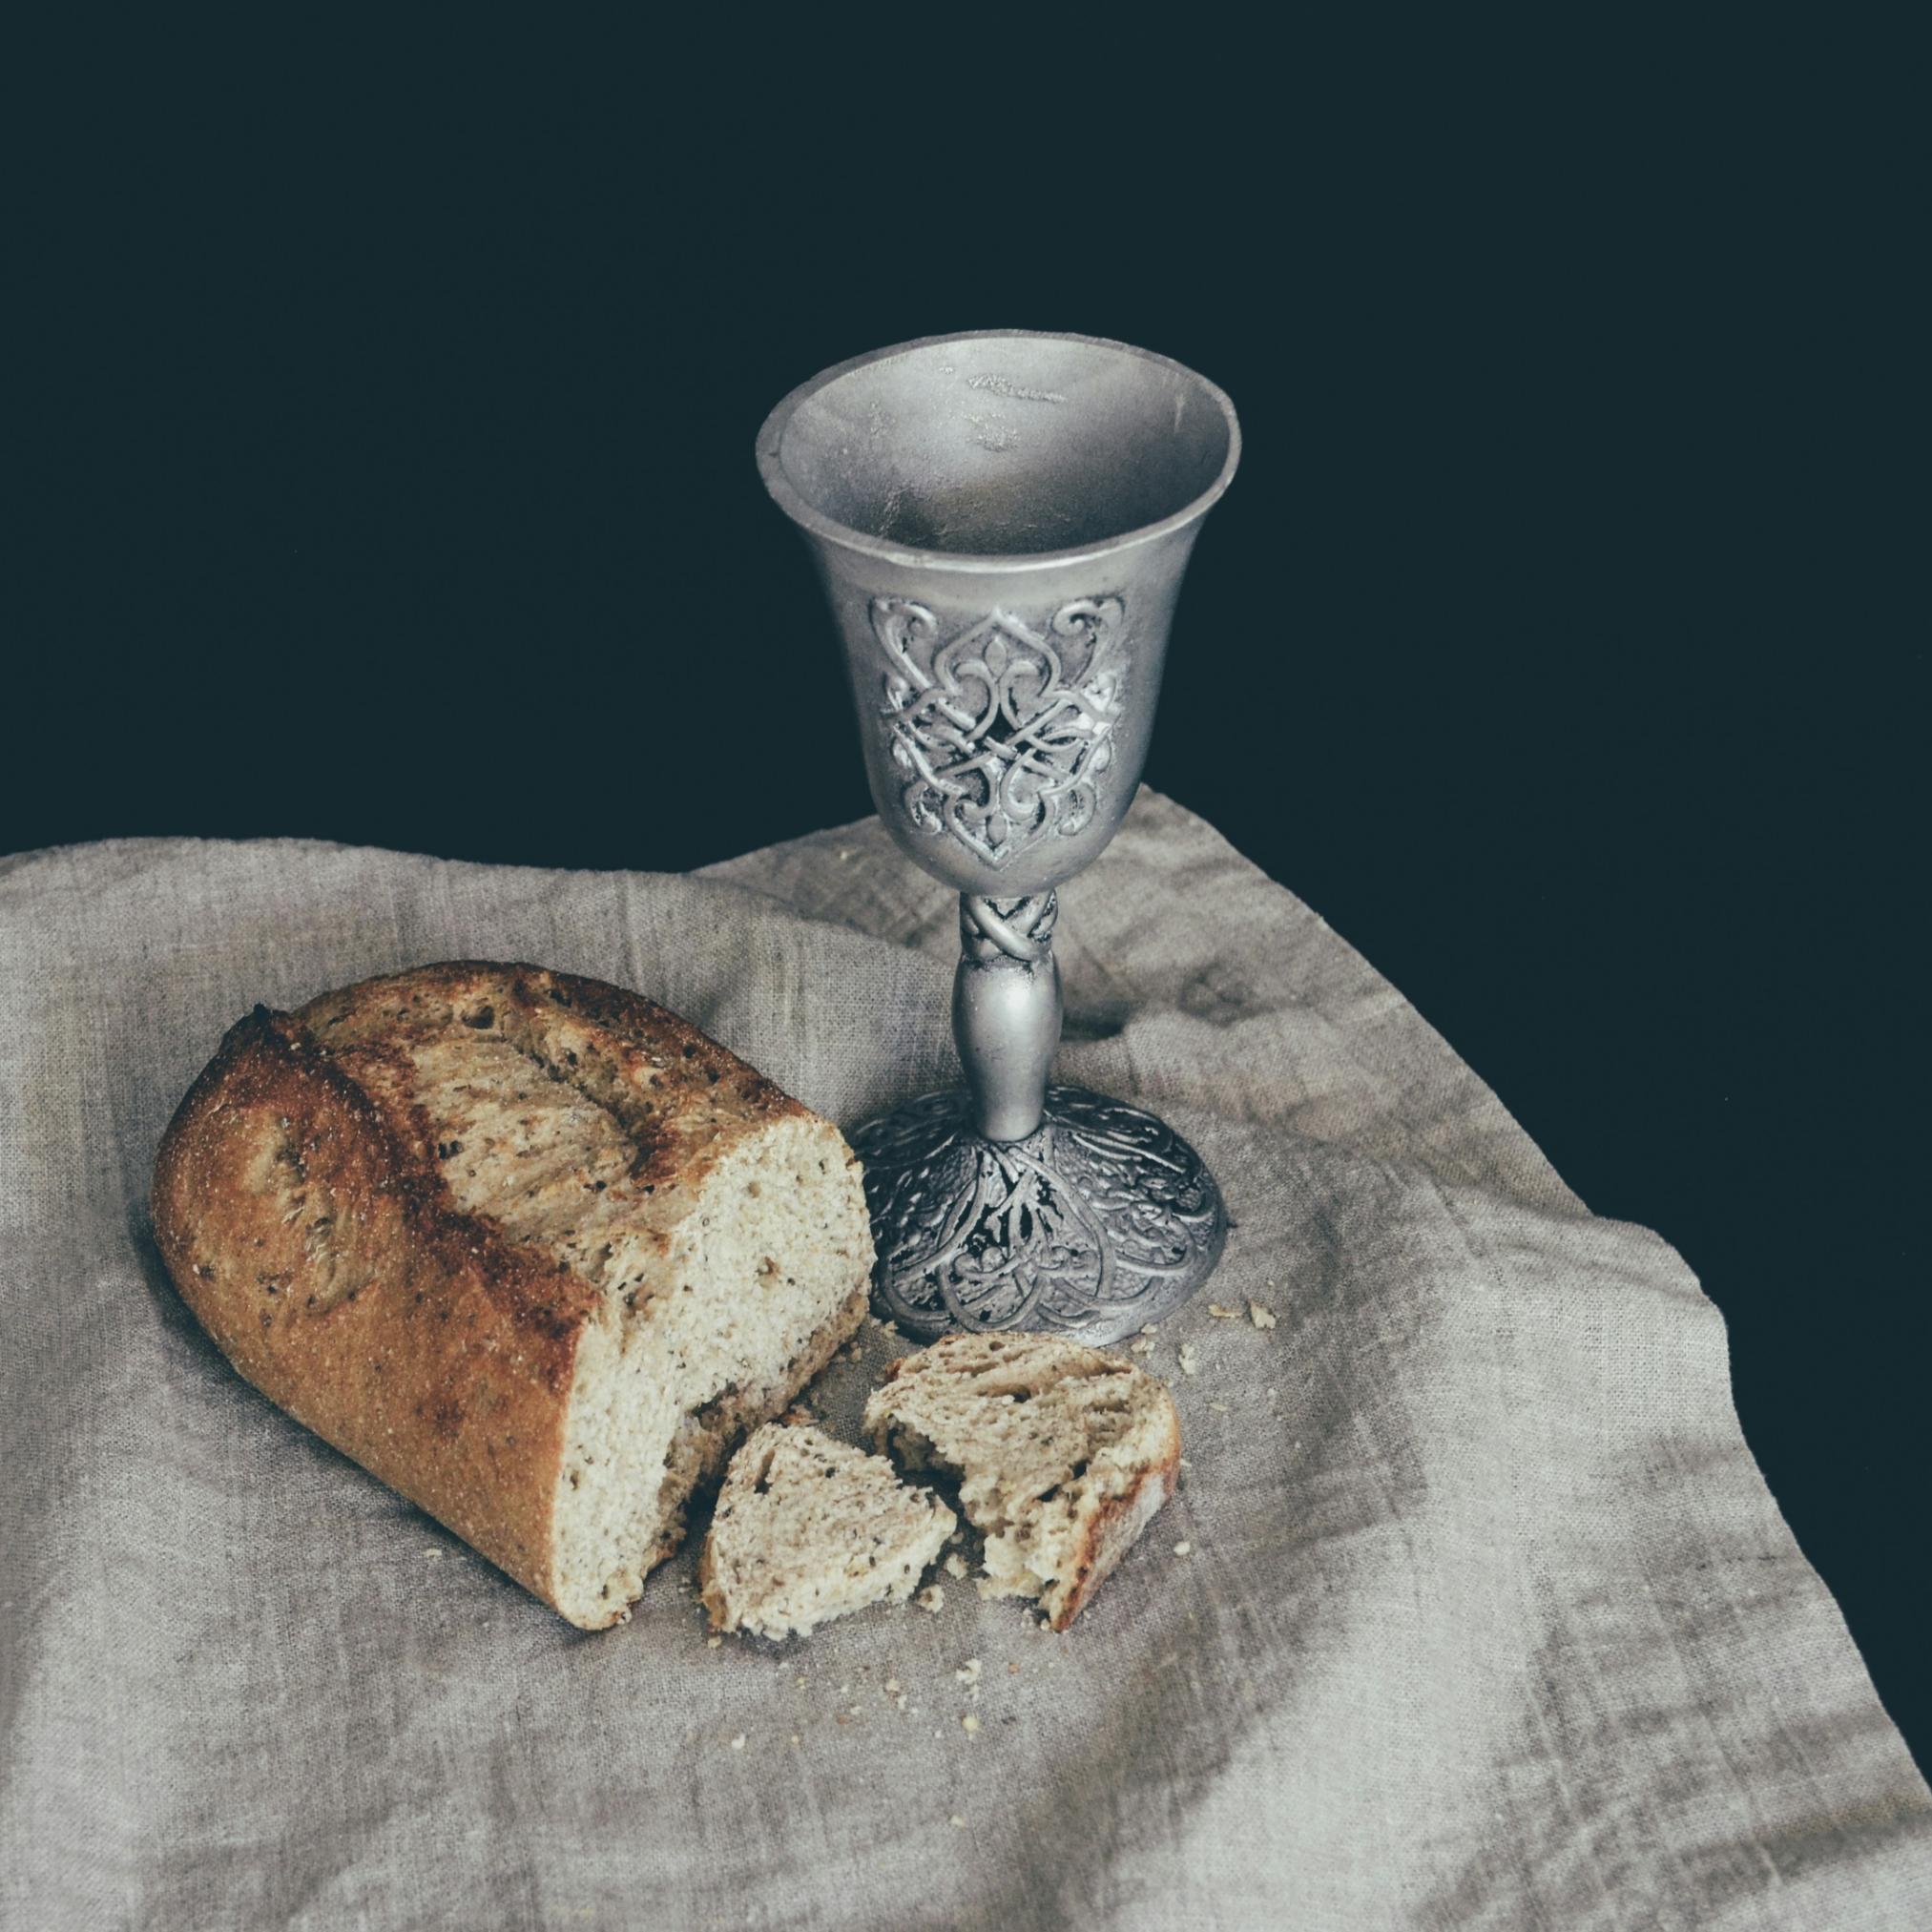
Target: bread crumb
{"type": "Point", "coordinates": [1144, 1345]}
{"type": "Point", "coordinates": [1218, 1408]}
{"type": "Point", "coordinates": [1183, 1547]}
{"type": "Point", "coordinates": [1261, 1317]}
{"type": "Point", "coordinates": [1221, 1314]}
{"type": "Point", "coordinates": [969, 1724]}
{"type": "Point", "coordinates": [711, 1643]}
{"type": "Point", "coordinates": [898, 1702]}
{"type": "Point", "coordinates": [1150, 1328]}
{"type": "Point", "coordinates": [968, 1672]}
{"type": "Point", "coordinates": [892, 1686]}
{"type": "Point", "coordinates": [931, 1598]}
{"type": "Point", "coordinates": [1013, 1670]}
{"type": "Point", "coordinates": [956, 1822]}
{"type": "Point", "coordinates": [738, 1742]}
{"type": "Point", "coordinates": [1190, 1359]}
{"type": "Point", "coordinates": [796, 1738]}
{"type": "Point", "coordinates": [955, 1565]}
{"type": "Point", "coordinates": [800, 1682]}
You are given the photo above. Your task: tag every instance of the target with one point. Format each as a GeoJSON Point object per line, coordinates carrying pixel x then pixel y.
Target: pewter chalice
{"type": "Point", "coordinates": [1001, 520]}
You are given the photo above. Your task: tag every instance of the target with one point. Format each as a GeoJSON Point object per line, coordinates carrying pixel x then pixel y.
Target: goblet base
{"type": "Point", "coordinates": [1101, 1220]}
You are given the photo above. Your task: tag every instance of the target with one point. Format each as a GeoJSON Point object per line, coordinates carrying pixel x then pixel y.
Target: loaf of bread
{"type": "Point", "coordinates": [530, 1249]}
{"type": "Point", "coordinates": [1063, 1454]}
{"type": "Point", "coordinates": [808, 1528]}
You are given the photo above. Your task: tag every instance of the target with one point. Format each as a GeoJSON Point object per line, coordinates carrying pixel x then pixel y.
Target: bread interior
{"type": "Point", "coordinates": [808, 1528]}
{"type": "Point", "coordinates": [761, 1287]}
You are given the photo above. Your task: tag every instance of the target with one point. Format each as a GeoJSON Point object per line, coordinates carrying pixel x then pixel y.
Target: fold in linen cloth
{"type": "Point", "coordinates": [1485, 1615]}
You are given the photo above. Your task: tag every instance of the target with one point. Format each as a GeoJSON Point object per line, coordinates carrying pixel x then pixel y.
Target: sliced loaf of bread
{"type": "Point", "coordinates": [807, 1529]}
{"type": "Point", "coordinates": [1063, 1454]}
{"type": "Point", "coordinates": [533, 1250]}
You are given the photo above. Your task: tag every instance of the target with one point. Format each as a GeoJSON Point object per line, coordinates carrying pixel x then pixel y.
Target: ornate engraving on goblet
{"type": "Point", "coordinates": [1002, 732]}
{"type": "Point", "coordinates": [1001, 521]}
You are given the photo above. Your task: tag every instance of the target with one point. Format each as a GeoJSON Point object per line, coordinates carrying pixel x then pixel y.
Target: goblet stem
{"type": "Point", "coordinates": [1006, 1010]}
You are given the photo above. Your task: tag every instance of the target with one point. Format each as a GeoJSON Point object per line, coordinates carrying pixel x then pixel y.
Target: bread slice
{"type": "Point", "coordinates": [528, 1247]}
{"type": "Point", "coordinates": [1063, 1454]}
{"type": "Point", "coordinates": [807, 1529]}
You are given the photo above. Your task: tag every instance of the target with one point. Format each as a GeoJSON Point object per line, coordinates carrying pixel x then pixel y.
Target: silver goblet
{"type": "Point", "coordinates": [1001, 520]}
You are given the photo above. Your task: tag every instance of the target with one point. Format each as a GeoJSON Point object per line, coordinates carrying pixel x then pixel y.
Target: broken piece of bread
{"type": "Point", "coordinates": [807, 1529]}
{"type": "Point", "coordinates": [1063, 1454]}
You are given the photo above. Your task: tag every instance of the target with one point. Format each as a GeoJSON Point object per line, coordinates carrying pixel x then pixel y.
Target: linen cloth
{"type": "Point", "coordinates": [1486, 1617]}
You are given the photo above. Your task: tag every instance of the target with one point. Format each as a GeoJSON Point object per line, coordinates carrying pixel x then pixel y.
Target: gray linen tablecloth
{"type": "Point", "coordinates": [1486, 1618]}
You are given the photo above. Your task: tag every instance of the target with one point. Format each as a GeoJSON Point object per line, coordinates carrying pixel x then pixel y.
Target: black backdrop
{"type": "Point", "coordinates": [387, 478]}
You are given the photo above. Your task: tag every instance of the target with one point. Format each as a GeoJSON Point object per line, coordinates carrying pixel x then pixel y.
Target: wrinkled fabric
{"type": "Point", "coordinates": [1486, 1616]}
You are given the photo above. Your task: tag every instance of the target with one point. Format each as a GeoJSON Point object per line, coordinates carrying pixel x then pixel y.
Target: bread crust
{"type": "Point", "coordinates": [304, 1217]}
{"type": "Point", "coordinates": [1115, 1528]}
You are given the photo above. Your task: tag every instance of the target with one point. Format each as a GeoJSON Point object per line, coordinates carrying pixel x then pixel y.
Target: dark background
{"type": "Point", "coordinates": [386, 477]}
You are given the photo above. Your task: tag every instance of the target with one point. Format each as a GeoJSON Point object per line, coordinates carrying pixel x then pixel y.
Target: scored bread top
{"type": "Point", "coordinates": [579, 1118]}
{"type": "Point", "coordinates": [385, 1208]}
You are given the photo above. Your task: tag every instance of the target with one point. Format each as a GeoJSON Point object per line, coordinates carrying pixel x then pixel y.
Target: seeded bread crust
{"type": "Point", "coordinates": [305, 1211]}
